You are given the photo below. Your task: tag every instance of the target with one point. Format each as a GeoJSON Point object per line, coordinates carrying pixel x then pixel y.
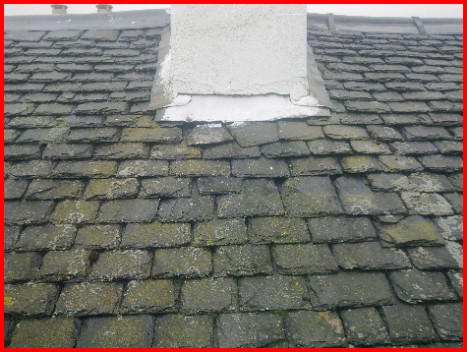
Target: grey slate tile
{"type": "Point", "coordinates": [27, 212]}
{"type": "Point", "coordinates": [259, 168]}
{"type": "Point", "coordinates": [447, 319]}
{"type": "Point", "coordinates": [172, 187]}
{"type": "Point", "coordinates": [219, 232]}
{"type": "Point", "coordinates": [244, 260]}
{"type": "Point", "coordinates": [364, 326]}
{"type": "Point", "coordinates": [185, 262]}
{"type": "Point", "coordinates": [426, 203]}
{"type": "Point", "coordinates": [149, 296]}
{"type": "Point", "coordinates": [285, 149]}
{"type": "Point", "coordinates": [118, 265]}
{"type": "Point", "coordinates": [253, 134]}
{"type": "Point", "coordinates": [196, 208]}
{"type": "Point", "coordinates": [178, 331]}
{"type": "Point", "coordinates": [432, 258]}
{"type": "Point", "coordinates": [128, 210]}
{"type": "Point", "coordinates": [155, 235]}
{"type": "Point", "coordinates": [313, 166]}
{"type": "Point", "coordinates": [341, 229]}
{"type": "Point", "coordinates": [209, 295]}
{"type": "Point", "coordinates": [30, 299]}
{"type": "Point", "coordinates": [208, 134]}
{"type": "Point", "coordinates": [21, 266]}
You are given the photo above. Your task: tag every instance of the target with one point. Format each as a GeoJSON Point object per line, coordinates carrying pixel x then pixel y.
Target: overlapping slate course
{"type": "Point", "coordinates": [124, 231]}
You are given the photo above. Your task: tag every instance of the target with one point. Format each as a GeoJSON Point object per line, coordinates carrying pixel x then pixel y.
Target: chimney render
{"type": "Point", "coordinates": [104, 8]}
{"type": "Point", "coordinates": [59, 9]}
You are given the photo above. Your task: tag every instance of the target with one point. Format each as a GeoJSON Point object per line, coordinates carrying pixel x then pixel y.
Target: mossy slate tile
{"type": "Point", "coordinates": [28, 212]}
{"type": "Point", "coordinates": [209, 295]}
{"type": "Point", "coordinates": [45, 238]}
{"type": "Point", "coordinates": [244, 260]}
{"type": "Point", "coordinates": [447, 319]}
{"type": "Point", "coordinates": [264, 230]}
{"type": "Point", "coordinates": [149, 296]}
{"type": "Point", "coordinates": [117, 265]}
{"type": "Point", "coordinates": [364, 326]}
{"type": "Point", "coordinates": [341, 229]}
{"type": "Point", "coordinates": [178, 331]}
{"type": "Point", "coordinates": [187, 262]}
{"type": "Point", "coordinates": [30, 299]}
{"type": "Point", "coordinates": [156, 235]}
{"type": "Point", "coordinates": [21, 266]}
{"type": "Point", "coordinates": [65, 265]}
{"type": "Point", "coordinates": [219, 232]}
{"type": "Point", "coordinates": [128, 210]}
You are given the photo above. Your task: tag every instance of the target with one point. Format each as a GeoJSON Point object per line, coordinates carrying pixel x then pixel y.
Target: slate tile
{"type": "Point", "coordinates": [349, 289]}
{"type": "Point", "coordinates": [263, 230]}
{"type": "Point", "coordinates": [75, 212]}
{"type": "Point", "coordinates": [176, 151]}
{"type": "Point", "coordinates": [360, 164]}
{"type": "Point", "coordinates": [364, 326]}
{"type": "Point", "coordinates": [68, 151]}
{"type": "Point", "coordinates": [307, 196]}
{"type": "Point", "coordinates": [143, 168]}
{"type": "Point", "coordinates": [14, 189]}
{"type": "Point", "coordinates": [219, 232]}
{"type": "Point", "coordinates": [208, 134]}
{"type": "Point", "coordinates": [64, 265]}
{"type": "Point", "coordinates": [186, 262]}
{"type": "Point", "coordinates": [291, 130]}
{"type": "Point", "coordinates": [62, 35]}
{"type": "Point", "coordinates": [88, 298]}
{"type": "Point", "coordinates": [452, 227]}
{"type": "Point", "coordinates": [414, 148]}
{"type": "Point", "coordinates": [447, 320]}
{"type": "Point", "coordinates": [369, 256]}
{"type": "Point", "coordinates": [22, 152]}
{"type": "Point", "coordinates": [363, 106]}
{"type": "Point", "coordinates": [10, 236]}
{"type": "Point", "coordinates": [304, 259]}
{"type": "Point", "coordinates": [54, 109]}
{"type": "Point", "coordinates": [209, 295]}
{"type": "Point", "coordinates": [170, 135]}
{"type": "Point", "coordinates": [414, 286]}
{"type": "Point", "coordinates": [370, 147]}
{"type": "Point", "coordinates": [441, 163]}
{"type": "Point", "coordinates": [259, 168]}
{"type": "Point", "coordinates": [149, 296]}
{"type": "Point", "coordinates": [98, 237]}
{"type": "Point", "coordinates": [178, 331]}
{"type": "Point", "coordinates": [427, 203]}
{"type": "Point", "coordinates": [432, 258]}
{"type": "Point", "coordinates": [196, 167]}
{"type": "Point", "coordinates": [78, 169]}
{"type": "Point", "coordinates": [257, 198]}
{"type": "Point", "coordinates": [172, 187]}
{"type": "Point", "coordinates": [313, 166]}
{"type": "Point", "coordinates": [118, 265]}
{"type": "Point", "coordinates": [456, 279]}
{"type": "Point", "coordinates": [46, 237]}
{"type": "Point", "coordinates": [121, 151]}
{"type": "Point", "coordinates": [345, 132]}
{"type": "Point", "coordinates": [46, 332]}
{"type": "Point", "coordinates": [89, 135]}
{"type": "Point", "coordinates": [412, 231]}
{"type": "Point", "coordinates": [285, 149]}
{"type": "Point", "coordinates": [128, 210]}
{"type": "Point", "coordinates": [244, 260]}
{"type": "Point", "coordinates": [33, 168]}
{"type": "Point", "coordinates": [393, 163]}
{"type": "Point", "coordinates": [23, 35]}
{"type": "Point", "coordinates": [218, 185]}
{"type": "Point", "coordinates": [449, 147]}
{"type": "Point", "coordinates": [416, 182]}
{"type": "Point", "coordinates": [329, 147]}
{"type": "Point", "coordinates": [111, 188]}
{"type": "Point", "coordinates": [358, 199]}
{"type": "Point", "coordinates": [155, 235]}
{"type": "Point", "coordinates": [27, 212]}
{"type": "Point", "coordinates": [425, 133]}
{"type": "Point", "coordinates": [18, 109]}
{"type": "Point", "coordinates": [409, 324]}
{"type": "Point", "coordinates": [196, 208]}
{"type": "Point", "coordinates": [251, 134]}
{"type": "Point", "coordinates": [30, 299]}
{"type": "Point", "coordinates": [249, 329]}
{"type": "Point", "coordinates": [315, 329]}
{"type": "Point", "coordinates": [21, 266]}
{"type": "Point", "coordinates": [125, 331]}
{"type": "Point", "coordinates": [341, 229]}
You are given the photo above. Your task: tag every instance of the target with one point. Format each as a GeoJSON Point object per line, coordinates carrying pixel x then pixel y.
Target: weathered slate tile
{"type": "Point", "coordinates": [349, 289]}
{"type": "Point", "coordinates": [27, 36]}
{"type": "Point", "coordinates": [217, 185]}
{"type": "Point", "coordinates": [313, 166]}
{"type": "Point", "coordinates": [416, 182]}
{"type": "Point", "coordinates": [30, 299]}
{"type": "Point", "coordinates": [47, 333]}
{"type": "Point", "coordinates": [427, 203]}
{"type": "Point", "coordinates": [441, 163]}
{"type": "Point", "coordinates": [425, 133]}
{"type": "Point", "coordinates": [364, 326]}
{"type": "Point", "coordinates": [341, 229]}
{"type": "Point", "coordinates": [75, 212]}
{"type": "Point", "coordinates": [88, 298]}
{"type": "Point", "coordinates": [148, 296]}
{"type": "Point", "coordinates": [449, 147]}
{"type": "Point", "coordinates": [315, 329]}
{"type": "Point", "coordinates": [156, 135]}
{"type": "Point", "coordinates": [117, 265]}
{"type": "Point", "coordinates": [432, 258]}
{"type": "Point", "coordinates": [209, 295]}
{"type": "Point", "coordinates": [249, 329]}
{"type": "Point", "coordinates": [358, 199]}
{"type": "Point", "coordinates": [92, 169]}
{"type": "Point", "coordinates": [125, 331]}
{"type": "Point", "coordinates": [250, 134]}
{"type": "Point", "coordinates": [304, 259]}
{"type": "Point", "coordinates": [297, 131]}
{"type": "Point", "coordinates": [384, 133]}
{"type": "Point", "coordinates": [98, 237]}
{"type": "Point", "coordinates": [22, 152]}
{"type": "Point", "coordinates": [171, 187]}
{"type": "Point", "coordinates": [368, 107]}
{"type": "Point", "coordinates": [33, 169]}
{"type": "Point", "coordinates": [230, 151]}
{"type": "Point", "coordinates": [345, 132]}
{"type": "Point", "coordinates": [64, 265]}
{"type": "Point", "coordinates": [208, 134]}
{"type": "Point", "coordinates": [245, 260]}
{"type": "Point", "coordinates": [393, 163]}
{"type": "Point", "coordinates": [68, 151]}
{"type": "Point", "coordinates": [360, 164]}
{"type": "Point", "coordinates": [452, 227]}
{"type": "Point", "coordinates": [308, 196]}
{"type": "Point", "coordinates": [14, 189]}
{"type": "Point", "coordinates": [199, 168]}
{"type": "Point", "coordinates": [27, 212]}
{"type": "Point", "coordinates": [456, 201]}
{"type": "Point", "coordinates": [272, 292]}
{"type": "Point", "coordinates": [329, 147]}
{"type": "Point", "coordinates": [196, 208]}
{"type": "Point", "coordinates": [370, 147]}
{"type": "Point", "coordinates": [128, 210]}
{"type": "Point", "coordinates": [264, 230]}
{"type": "Point", "coordinates": [369, 256]}
{"type": "Point", "coordinates": [257, 198]}
{"type": "Point", "coordinates": [220, 232]}
{"type": "Point", "coordinates": [21, 266]}
{"type": "Point", "coordinates": [155, 235]}
{"type": "Point", "coordinates": [175, 151]}
{"type": "Point", "coordinates": [259, 168]}
{"type": "Point", "coordinates": [414, 148]}
{"type": "Point", "coordinates": [111, 188]}
{"type": "Point", "coordinates": [185, 262]}
{"type": "Point", "coordinates": [285, 149]}
{"type": "Point", "coordinates": [142, 168]}
{"type": "Point", "coordinates": [178, 331]}
{"type": "Point", "coordinates": [447, 319]}
{"type": "Point", "coordinates": [412, 231]}
{"type": "Point", "coordinates": [409, 324]}
{"type": "Point", "coordinates": [46, 237]}
{"type": "Point", "coordinates": [414, 286]}
{"type": "Point", "coordinates": [121, 151]}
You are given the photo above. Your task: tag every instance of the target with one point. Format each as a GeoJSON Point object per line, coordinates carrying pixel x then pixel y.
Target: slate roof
{"type": "Point", "coordinates": [124, 231]}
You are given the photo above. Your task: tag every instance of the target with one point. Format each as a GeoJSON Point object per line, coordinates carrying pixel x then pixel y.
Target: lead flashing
{"type": "Point", "coordinates": [112, 20]}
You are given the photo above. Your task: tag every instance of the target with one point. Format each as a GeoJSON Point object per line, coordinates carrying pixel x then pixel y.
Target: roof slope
{"type": "Point", "coordinates": [123, 231]}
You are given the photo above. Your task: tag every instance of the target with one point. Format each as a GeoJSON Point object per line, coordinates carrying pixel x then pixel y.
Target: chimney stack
{"type": "Point", "coordinates": [59, 9]}
{"type": "Point", "coordinates": [104, 8]}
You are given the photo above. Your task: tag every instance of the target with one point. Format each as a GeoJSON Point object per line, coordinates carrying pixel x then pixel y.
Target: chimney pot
{"type": "Point", "coordinates": [59, 9]}
{"type": "Point", "coordinates": [104, 8]}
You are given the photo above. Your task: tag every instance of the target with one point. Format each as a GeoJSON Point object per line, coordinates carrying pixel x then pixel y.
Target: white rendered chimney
{"type": "Point", "coordinates": [236, 63]}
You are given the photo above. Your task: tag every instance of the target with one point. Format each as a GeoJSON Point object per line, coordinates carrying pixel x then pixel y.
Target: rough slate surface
{"type": "Point", "coordinates": [121, 231]}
